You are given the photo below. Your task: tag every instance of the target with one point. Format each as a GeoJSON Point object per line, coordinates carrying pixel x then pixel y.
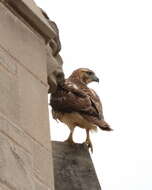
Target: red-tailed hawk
{"type": "Point", "coordinates": [75, 104]}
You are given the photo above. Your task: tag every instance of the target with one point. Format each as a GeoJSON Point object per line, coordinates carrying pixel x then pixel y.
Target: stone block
{"type": "Point", "coordinates": [73, 167]}
{"type": "Point", "coordinates": [40, 186]}
{"type": "Point", "coordinates": [29, 10]}
{"type": "Point", "coordinates": [25, 149]}
{"type": "Point", "coordinates": [34, 107]}
{"type": "Point", "coordinates": [3, 187]}
{"type": "Point", "coordinates": [9, 94]}
{"type": "Point", "coordinates": [7, 61]}
{"type": "Point", "coordinates": [41, 157]}
{"type": "Point", "coordinates": [43, 165]}
{"type": "Point", "coordinates": [16, 134]}
{"type": "Point", "coordinates": [24, 44]}
{"type": "Point", "coordinates": [15, 166]}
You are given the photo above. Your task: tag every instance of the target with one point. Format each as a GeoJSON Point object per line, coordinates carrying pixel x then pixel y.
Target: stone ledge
{"type": "Point", "coordinates": [73, 167]}
{"type": "Point", "coordinates": [32, 14]}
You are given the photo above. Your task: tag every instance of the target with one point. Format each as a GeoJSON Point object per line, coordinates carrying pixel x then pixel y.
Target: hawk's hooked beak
{"type": "Point", "coordinates": [95, 78]}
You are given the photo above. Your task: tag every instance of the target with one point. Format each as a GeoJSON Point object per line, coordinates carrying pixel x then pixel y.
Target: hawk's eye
{"type": "Point", "coordinates": [89, 73]}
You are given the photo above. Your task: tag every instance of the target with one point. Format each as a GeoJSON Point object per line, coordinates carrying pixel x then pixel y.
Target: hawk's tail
{"type": "Point", "coordinates": [104, 125]}
{"type": "Point", "coordinates": [100, 123]}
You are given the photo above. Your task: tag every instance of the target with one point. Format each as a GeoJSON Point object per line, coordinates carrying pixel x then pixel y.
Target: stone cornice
{"type": "Point", "coordinates": [29, 11]}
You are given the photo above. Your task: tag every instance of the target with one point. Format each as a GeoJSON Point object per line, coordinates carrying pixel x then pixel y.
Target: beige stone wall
{"type": "Point", "coordinates": [25, 149]}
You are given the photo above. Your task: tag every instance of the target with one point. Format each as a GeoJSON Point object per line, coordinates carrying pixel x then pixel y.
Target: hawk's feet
{"type": "Point", "coordinates": [70, 141]}
{"type": "Point", "coordinates": [89, 144]}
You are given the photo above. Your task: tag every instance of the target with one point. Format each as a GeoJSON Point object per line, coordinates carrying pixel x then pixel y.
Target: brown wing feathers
{"type": "Point", "coordinates": [74, 96]}
{"type": "Point", "coordinates": [69, 100]}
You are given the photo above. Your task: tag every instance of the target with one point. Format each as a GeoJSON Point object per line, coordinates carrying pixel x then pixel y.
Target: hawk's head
{"type": "Point", "coordinates": [85, 75]}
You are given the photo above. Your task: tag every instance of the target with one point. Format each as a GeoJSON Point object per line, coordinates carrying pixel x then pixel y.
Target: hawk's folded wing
{"type": "Point", "coordinates": [70, 98]}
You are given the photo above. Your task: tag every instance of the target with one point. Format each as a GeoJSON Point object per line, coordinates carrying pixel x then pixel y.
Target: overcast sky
{"type": "Point", "coordinates": [114, 38]}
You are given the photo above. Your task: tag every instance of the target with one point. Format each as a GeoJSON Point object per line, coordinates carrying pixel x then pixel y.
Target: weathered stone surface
{"type": "Point", "coordinates": [34, 107]}
{"type": "Point", "coordinates": [29, 10]}
{"type": "Point", "coordinates": [40, 186]}
{"type": "Point", "coordinates": [3, 187]}
{"type": "Point", "coordinates": [15, 133]}
{"type": "Point", "coordinates": [7, 61]}
{"type": "Point", "coordinates": [73, 168]}
{"type": "Point", "coordinates": [42, 164]}
{"type": "Point", "coordinates": [15, 166]}
{"type": "Point", "coordinates": [42, 158]}
{"type": "Point", "coordinates": [54, 70]}
{"type": "Point", "coordinates": [25, 45]}
{"type": "Point", "coordinates": [54, 43]}
{"type": "Point", "coordinates": [9, 94]}
{"type": "Point", "coordinates": [25, 149]}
